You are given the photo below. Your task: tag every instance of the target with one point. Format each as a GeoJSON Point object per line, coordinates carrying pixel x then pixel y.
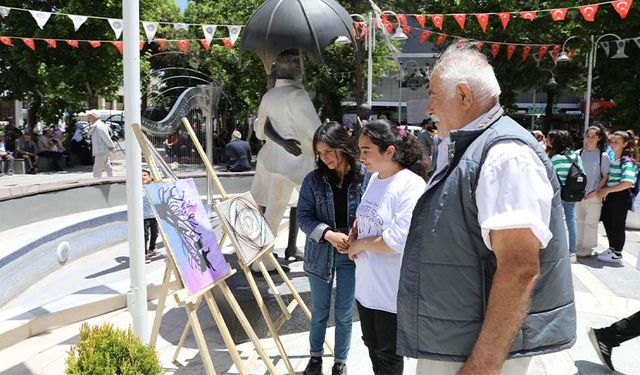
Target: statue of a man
{"type": "Point", "coordinates": [286, 122]}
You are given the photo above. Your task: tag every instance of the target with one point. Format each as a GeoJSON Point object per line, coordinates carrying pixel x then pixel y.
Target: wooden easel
{"type": "Point", "coordinates": [191, 301]}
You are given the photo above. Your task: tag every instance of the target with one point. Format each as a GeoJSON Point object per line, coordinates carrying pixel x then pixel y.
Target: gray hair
{"type": "Point", "coordinates": [288, 67]}
{"type": "Point", "coordinates": [464, 64]}
{"type": "Point", "coordinates": [236, 135]}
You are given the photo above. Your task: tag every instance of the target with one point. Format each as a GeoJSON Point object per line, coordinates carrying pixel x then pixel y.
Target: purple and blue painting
{"type": "Point", "coordinates": [185, 224]}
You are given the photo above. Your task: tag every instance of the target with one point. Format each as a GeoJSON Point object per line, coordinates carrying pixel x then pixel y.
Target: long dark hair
{"type": "Point", "coordinates": [599, 131]}
{"type": "Point", "coordinates": [560, 141]}
{"type": "Point", "coordinates": [408, 153]}
{"type": "Point", "coordinates": [334, 135]}
{"type": "Point", "coordinates": [630, 149]}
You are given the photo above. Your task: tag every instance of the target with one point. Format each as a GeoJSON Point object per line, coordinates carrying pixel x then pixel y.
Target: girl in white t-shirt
{"type": "Point", "coordinates": [378, 237]}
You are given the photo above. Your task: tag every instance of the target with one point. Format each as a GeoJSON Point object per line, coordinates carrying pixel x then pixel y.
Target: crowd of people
{"type": "Point", "coordinates": [15, 143]}
{"type": "Point", "coordinates": [466, 266]}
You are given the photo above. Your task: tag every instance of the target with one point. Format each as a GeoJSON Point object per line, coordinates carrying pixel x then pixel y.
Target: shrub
{"type": "Point", "coordinates": [105, 350]}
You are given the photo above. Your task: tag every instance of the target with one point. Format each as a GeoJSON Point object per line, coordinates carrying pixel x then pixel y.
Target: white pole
{"type": "Point", "coordinates": [371, 35]}
{"type": "Point", "coordinates": [589, 78]}
{"type": "Point", "coordinates": [137, 296]}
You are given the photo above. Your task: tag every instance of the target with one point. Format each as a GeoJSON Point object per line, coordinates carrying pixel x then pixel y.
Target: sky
{"type": "Point", "coordinates": [182, 4]}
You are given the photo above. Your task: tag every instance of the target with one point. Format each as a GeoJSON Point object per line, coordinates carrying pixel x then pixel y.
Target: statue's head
{"type": "Point", "coordinates": [287, 65]}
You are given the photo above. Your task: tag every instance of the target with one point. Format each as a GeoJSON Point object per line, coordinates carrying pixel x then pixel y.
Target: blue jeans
{"type": "Point", "coordinates": [570, 218]}
{"type": "Point", "coordinates": [321, 306]}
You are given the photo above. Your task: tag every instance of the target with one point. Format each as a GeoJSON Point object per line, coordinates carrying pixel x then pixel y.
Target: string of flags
{"type": "Point", "coordinates": [150, 27]}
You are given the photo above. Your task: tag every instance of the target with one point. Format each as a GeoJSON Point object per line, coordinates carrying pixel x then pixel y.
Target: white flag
{"type": "Point", "coordinates": [150, 29]}
{"type": "Point", "coordinates": [537, 59]}
{"type": "Point", "coordinates": [77, 21]}
{"type": "Point", "coordinates": [40, 17]}
{"type": "Point", "coordinates": [181, 26]}
{"type": "Point", "coordinates": [234, 33]}
{"type": "Point", "coordinates": [4, 11]}
{"type": "Point", "coordinates": [637, 40]}
{"type": "Point", "coordinates": [116, 26]}
{"type": "Point", "coordinates": [605, 47]}
{"type": "Point", "coordinates": [208, 31]}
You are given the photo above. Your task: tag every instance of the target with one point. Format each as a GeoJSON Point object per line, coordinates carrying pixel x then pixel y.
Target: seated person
{"type": "Point", "coordinates": [238, 154]}
{"type": "Point", "coordinates": [6, 156]}
{"type": "Point", "coordinates": [48, 148]}
{"type": "Point", "coordinates": [26, 148]}
{"type": "Point", "coordinates": [170, 143]}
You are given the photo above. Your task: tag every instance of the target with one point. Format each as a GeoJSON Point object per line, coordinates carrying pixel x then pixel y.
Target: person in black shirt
{"type": "Point", "coordinates": [238, 154]}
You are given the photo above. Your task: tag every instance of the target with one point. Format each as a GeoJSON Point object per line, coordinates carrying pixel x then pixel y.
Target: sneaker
{"type": "Point", "coordinates": [603, 350]}
{"type": "Point", "coordinates": [573, 258]}
{"type": "Point", "coordinates": [314, 367]}
{"type": "Point", "coordinates": [339, 369]}
{"type": "Point", "coordinates": [584, 252]}
{"type": "Point", "coordinates": [610, 256]}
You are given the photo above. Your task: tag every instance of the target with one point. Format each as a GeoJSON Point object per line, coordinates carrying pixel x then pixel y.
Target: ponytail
{"type": "Point", "coordinates": [629, 138]}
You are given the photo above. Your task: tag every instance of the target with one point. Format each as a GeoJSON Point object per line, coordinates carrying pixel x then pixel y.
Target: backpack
{"type": "Point", "coordinates": [636, 189]}
{"type": "Point", "coordinates": [574, 187]}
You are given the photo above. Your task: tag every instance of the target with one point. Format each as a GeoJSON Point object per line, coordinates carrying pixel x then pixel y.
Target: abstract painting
{"type": "Point", "coordinates": [186, 227]}
{"type": "Point", "coordinates": [246, 226]}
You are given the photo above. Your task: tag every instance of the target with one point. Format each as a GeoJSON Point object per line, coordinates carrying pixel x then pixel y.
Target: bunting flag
{"type": "Point", "coordinates": [205, 44]}
{"type": "Point", "coordinates": [6, 41]}
{"type": "Point", "coordinates": [542, 51]}
{"type": "Point", "coordinates": [621, 44]}
{"type": "Point", "coordinates": [407, 30]}
{"type": "Point", "coordinates": [425, 35]}
{"type": "Point", "coordinates": [495, 48]}
{"type": "Point", "coordinates": [537, 59]}
{"type": "Point", "coordinates": [389, 27]}
{"type": "Point", "coordinates": [234, 33]}
{"type": "Point", "coordinates": [588, 12]}
{"type": "Point", "coordinates": [184, 45]}
{"type": "Point", "coordinates": [637, 40]}
{"type": "Point", "coordinates": [605, 47]}
{"type": "Point", "coordinates": [40, 17]}
{"type": "Point", "coordinates": [530, 15]}
{"type": "Point", "coordinates": [95, 43]}
{"type": "Point", "coordinates": [116, 26]}
{"type": "Point", "coordinates": [52, 43]}
{"type": "Point", "coordinates": [73, 43]}
{"type": "Point", "coordinates": [437, 20]}
{"type": "Point", "coordinates": [150, 29]}
{"type": "Point", "coordinates": [526, 50]}
{"type": "Point", "coordinates": [181, 27]}
{"type": "Point", "coordinates": [141, 45]}
{"type": "Point", "coordinates": [403, 20]}
{"type": "Point", "coordinates": [77, 21]}
{"type": "Point", "coordinates": [30, 43]}
{"type": "Point", "coordinates": [483, 20]}
{"type": "Point", "coordinates": [460, 19]}
{"type": "Point", "coordinates": [4, 11]}
{"type": "Point", "coordinates": [208, 31]}
{"type": "Point", "coordinates": [440, 39]}
{"type": "Point", "coordinates": [555, 52]}
{"type": "Point", "coordinates": [118, 44]}
{"type": "Point", "coordinates": [162, 42]}
{"type": "Point", "coordinates": [558, 14]}
{"type": "Point", "coordinates": [511, 49]}
{"type": "Point", "coordinates": [622, 7]}
{"type": "Point", "coordinates": [227, 43]}
{"type": "Point", "coordinates": [422, 19]}
{"type": "Point", "coordinates": [504, 18]}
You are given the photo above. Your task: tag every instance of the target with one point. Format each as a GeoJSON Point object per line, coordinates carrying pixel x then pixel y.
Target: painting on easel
{"type": "Point", "coordinates": [246, 225]}
{"type": "Point", "coordinates": [186, 227]}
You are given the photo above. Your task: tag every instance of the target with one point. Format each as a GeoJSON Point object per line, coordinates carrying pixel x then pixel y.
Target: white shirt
{"type": "Point", "coordinates": [513, 189]}
{"type": "Point", "coordinates": [385, 210]}
{"type": "Point", "coordinates": [101, 142]}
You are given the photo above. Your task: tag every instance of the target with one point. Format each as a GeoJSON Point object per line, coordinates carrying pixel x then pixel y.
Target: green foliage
{"type": "Point", "coordinates": [106, 350]}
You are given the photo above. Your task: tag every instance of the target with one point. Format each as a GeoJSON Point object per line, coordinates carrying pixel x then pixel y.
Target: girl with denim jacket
{"type": "Point", "coordinates": [329, 197]}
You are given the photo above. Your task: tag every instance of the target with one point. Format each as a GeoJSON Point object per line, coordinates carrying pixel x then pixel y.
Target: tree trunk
{"type": "Point", "coordinates": [548, 111]}
{"type": "Point", "coordinates": [32, 115]}
{"type": "Point", "coordinates": [360, 89]}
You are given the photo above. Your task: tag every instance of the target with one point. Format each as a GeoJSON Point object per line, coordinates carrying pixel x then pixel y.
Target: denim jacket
{"type": "Point", "coordinates": [316, 214]}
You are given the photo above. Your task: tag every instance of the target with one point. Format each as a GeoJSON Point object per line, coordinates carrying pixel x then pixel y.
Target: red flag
{"type": "Point", "coordinates": [227, 43]}
{"type": "Point", "coordinates": [440, 39]}
{"type": "Point", "coordinates": [622, 7]}
{"type": "Point", "coordinates": [504, 18]}
{"type": "Point", "coordinates": [555, 52]}
{"type": "Point", "coordinates": [542, 51]}
{"type": "Point", "coordinates": [403, 19]}
{"type": "Point", "coordinates": [204, 44]}
{"type": "Point", "coordinates": [529, 15]}
{"type": "Point", "coordinates": [162, 42]}
{"type": "Point", "coordinates": [437, 20]}
{"type": "Point", "coordinates": [425, 35]}
{"type": "Point", "coordinates": [384, 19]}
{"type": "Point", "coordinates": [589, 12]}
{"type": "Point", "coordinates": [511, 49]}
{"type": "Point", "coordinates": [558, 14]}
{"type": "Point", "coordinates": [525, 52]}
{"type": "Point", "coordinates": [6, 41]}
{"type": "Point", "coordinates": [483, 19]}
{"type": "Point", "coordinates": [118, 45]}
{"type": "Point", "coordinates": [141, 45]}
{"type": "Point", "coordinates": [495, 48]}
{"type": "Point", "coordinates": [184, 45]}
{"type": "Point", "coordinates": [95, 43]}
{"type": "Point", "coordinates": [407, 30]}
{"type": "Point", "coordinates": [460, 19]}
{"type": "Point", "coordinates": [421, 18]}
{"type": "Point", "coordinates": [364, 33]}
{"type": "Point", "coordinates": [73, 43]}
{"type": "Point", "coordinates": [52, 43]}
{"type": "Point", "coordinates": [390, 26]}
{"type": "Point", "coordinates": [571, 52]}
{"type": "Point", "coordinates": [30, 43]}
{"type": "Point", "coordinates": [479, 46]}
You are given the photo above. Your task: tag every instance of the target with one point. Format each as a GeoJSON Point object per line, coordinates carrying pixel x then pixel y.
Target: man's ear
{"type": "Point", "coordinates": [464, 95]}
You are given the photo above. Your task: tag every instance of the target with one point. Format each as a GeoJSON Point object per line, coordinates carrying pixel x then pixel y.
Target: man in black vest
{"type": "Point", "coordinates": [238, 154]}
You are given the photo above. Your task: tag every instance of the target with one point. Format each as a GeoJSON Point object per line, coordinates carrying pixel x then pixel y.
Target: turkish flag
{"type": "Point", "coordinates": [622, 7]}
{"type": "Point", "coordinates": [6, 41]}
{"type": "Point", "coordinates": [95, 43]}
{"type": "Point", "coordinates": [558, 14]}
{"type": "Point", "coordinates": [440, 39]}
{"type": "Point", "coordinates": [525, 52]}
{"type": "Point", "coordinates": [403, 19]}
{"type": "Point", "coordinates": [483, 19]}
{"type": "Point", "coordinates": [227, 43]}
{"type": "Point", "coordinates": [162, 42]}
{"type": "Point", "coordinates": [205, 44]}
{"type": "Point", "coordinates": [421, 18]}
{"type": "Point", "coordinates": [425, 35]}
{"type": "Point", "coordinates": [555, 52]}
{"type": "Point", "coordinates": [460, 19]}
{"type": "Point", "coordinates": [437, 20]}
{"type": "Point", "coordinates": [184, 45]}
{"type": "Point", "coordinates": [530, 15]}
{"type": "Point", "coordinates": [30, 43]}
{"type": "Point", "coordinates": [589, 12]}
{"type": "Point", "coordinates": [542, 51]}
{"type": "Point", "coordinates": [52, 42]}
{"type": "Point", "coordinates": [118, 45]}
{"type": "Point", "coordinates": [511, 49]}
{"type": "Point", "coordinates": [141, 45]}
{"type": "Point", "coordinates": [407, 30]}
{"type": "Point", "coordinates": [495, 48]}
{"type": "Point", "coordinates": [73, 43]}
{"type": "Point", "coordinates": [390, 26]}
{"type": "Point", "coordinates": [504, 18]}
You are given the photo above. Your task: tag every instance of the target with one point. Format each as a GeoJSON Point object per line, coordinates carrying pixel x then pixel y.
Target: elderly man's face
{"type": "Point", "coordinates": [442, 108]}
